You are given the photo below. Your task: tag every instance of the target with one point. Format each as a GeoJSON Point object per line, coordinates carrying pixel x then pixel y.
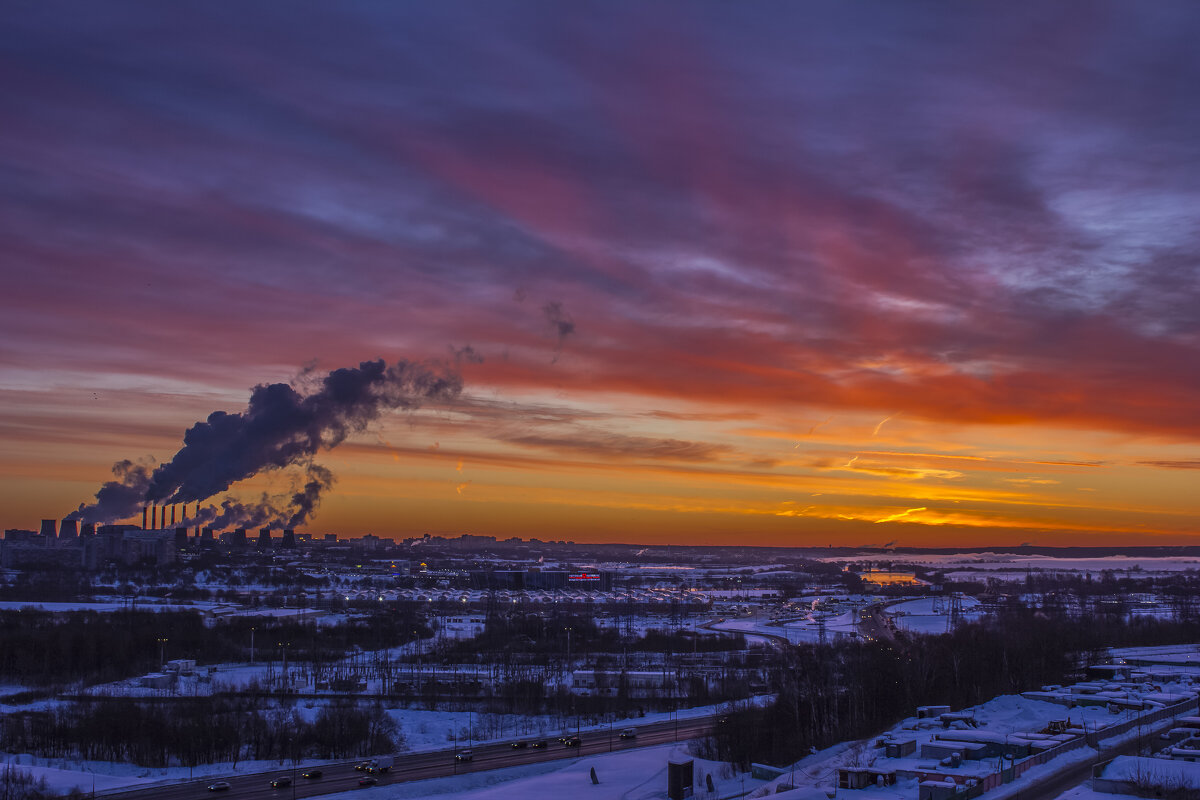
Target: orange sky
{"type": "Point", "coordinates": [846, 275]}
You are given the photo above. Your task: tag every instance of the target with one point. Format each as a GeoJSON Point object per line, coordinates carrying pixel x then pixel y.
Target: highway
{"type": "Point", "coordinates": [421, 766]}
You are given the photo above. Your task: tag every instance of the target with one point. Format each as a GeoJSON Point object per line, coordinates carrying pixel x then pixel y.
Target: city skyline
{"type": "Point", "coordinates": [849, 274]}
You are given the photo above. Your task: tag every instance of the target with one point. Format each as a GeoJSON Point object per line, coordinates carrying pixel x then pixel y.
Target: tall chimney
{"type": "Point", "coordinates": [48, 526]}
{"type": "Point", "coordinates": [145, 509]}
{"type": "Point", "coordinates": [172, 515]}
{"type": "Point", "coordinates": [154, 517]}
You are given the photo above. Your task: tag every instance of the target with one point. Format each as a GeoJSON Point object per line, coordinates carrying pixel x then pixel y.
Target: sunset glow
{"type": "Point", "coordinates": [848, 274]}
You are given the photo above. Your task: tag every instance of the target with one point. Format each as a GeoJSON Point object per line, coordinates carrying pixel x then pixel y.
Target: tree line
{"type": "Point", "coordinates": [575, 637]}
{"type": "Point", "coordinates": [850, 690]}
{"type": "Point", "coordinates": [198, 731]}
{"type": "Point", "coordinates": [43, 648]}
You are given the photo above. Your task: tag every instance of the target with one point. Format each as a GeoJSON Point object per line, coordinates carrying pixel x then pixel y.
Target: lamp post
{"type": "Point", "coordinates": [162, 649]}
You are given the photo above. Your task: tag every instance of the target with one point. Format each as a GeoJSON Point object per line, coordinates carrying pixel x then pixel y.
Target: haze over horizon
{"type": "Point", "coordinates": [710, 273]}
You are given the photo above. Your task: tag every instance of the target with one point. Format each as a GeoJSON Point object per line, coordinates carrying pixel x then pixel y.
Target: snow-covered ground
{"type": "Point", "coordinates": [423, 731]}
{"type": "Point", "coordinates": [838, 613]}
{"type": "Point", "coordinates": [1084, 791]}
{"type": "Point", "coordinates": [116, 605]}
{"type": "Point", "coordinates": [630, 775]}
{"type": "Point", "coordinates": [1181, 654]}
{"type": "Point", "coordinates": [931, 614]}
{"type": "Point", "coordinates": [1013, 566]}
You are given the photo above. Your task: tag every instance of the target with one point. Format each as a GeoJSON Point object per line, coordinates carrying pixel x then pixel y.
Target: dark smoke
{"type": "Point", "coordinates": [306, 500]}
{"type": "Point", "coordinates": [127, 492]}
{"type": "Point", "coordinates": [561, 323]}
{"type": "Point", "coordinates": [466, 354]}
{"type": "Point", "coordinates": [281, 427]}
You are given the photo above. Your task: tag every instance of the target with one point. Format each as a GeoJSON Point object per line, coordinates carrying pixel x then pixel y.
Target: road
{"type": "Point", "coordinates": [873, 623]}
{"type": "Point", "coordinates": [420, 766]}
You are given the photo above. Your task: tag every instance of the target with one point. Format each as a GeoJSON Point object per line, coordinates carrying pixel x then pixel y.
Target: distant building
{"type": "Point", "coordinates": [36, 552]}
{"type": "Point", "coordinates": [520, 580]}
{"type": "Point", "coordinates": [158, 547]}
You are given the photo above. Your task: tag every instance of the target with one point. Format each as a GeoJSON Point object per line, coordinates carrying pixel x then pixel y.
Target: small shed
{"type": "Point", "coordinates": [864, 777]}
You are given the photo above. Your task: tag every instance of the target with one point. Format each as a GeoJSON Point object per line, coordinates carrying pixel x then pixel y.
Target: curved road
{"type": "Point", "coordinates": [420, 766]}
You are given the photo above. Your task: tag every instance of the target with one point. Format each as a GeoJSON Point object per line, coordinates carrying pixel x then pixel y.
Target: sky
{"type": "Point", "coordinates": [848, 273]}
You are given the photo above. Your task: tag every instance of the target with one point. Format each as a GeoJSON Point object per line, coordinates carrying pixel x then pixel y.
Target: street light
{"type": "Point", "coordinates": [162, 658]}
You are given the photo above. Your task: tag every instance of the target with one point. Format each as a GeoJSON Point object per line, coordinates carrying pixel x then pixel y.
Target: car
{"type": "Point", "coordinates": [368, 780]}
{"type": "Point", "coordinates": [363, 766]}
{"type": "Point", "coordinates": [629, 733]}
{"type": "Point", "coordinates": [219, 786]}
{"type": "Point", "coordinates": [723, 720]}
{"type": "Point", "coordinates": [519, 745]}
{"type": "Point", "coordinates": [572, 741]}
{"type": "Point", "coordinates": [540, 743]}
{"type": "Point", "coordinates": [281, 783]}
{"type": "Point", "coordinates": [311, 774]}
{"type": "Point", "coordinates": [465, 755]}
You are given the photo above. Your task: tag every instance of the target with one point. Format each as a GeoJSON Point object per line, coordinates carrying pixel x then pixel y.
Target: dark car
{"type": "Point", "coordinates": [368, 780]}
{"type": "Point", "coordinates": [465, 755]}
{"type": "Point", "coordinates": [219, 786]}
{"type": "Point", "coordinates": [629, 733]}
{"type": "Point", "coordinates": [362, 766]}
{"type": "Point", "coordinates": [539, 744]}
{"type": "Point", "coordinates": [519, 745]}
{"type": "Point", "coordinates": [572, 741]}
{"type": "Point", "coordinates": [281, 783]}
{"type": "Point", "coordinates": [312, 773]}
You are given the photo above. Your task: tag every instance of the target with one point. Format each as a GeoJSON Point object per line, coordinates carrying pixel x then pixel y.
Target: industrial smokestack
{"type": "Point", "coordinates": [68, 529]}
{"type": "Point", "coordinates": [145, 510]}
{"type": "Point", "coordinates": [154, 516]}
{"type": "Point", "coordinates": [48, 528]}
{"type": "Point", "coordinates": [172, 515]}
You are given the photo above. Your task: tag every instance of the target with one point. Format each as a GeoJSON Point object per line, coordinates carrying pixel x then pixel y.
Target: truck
{"type": "Point", "coordinates": [381, 764]}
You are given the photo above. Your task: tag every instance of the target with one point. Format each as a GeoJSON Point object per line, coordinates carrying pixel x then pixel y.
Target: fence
{"type": "Point", "coordinates": [1166, 712]}
{"type": "Point", "coordinates": [1093, 739]}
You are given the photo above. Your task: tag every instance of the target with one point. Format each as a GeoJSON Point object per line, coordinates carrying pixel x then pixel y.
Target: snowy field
{"type": "Point", "coordinates": [931, 614]}
{"type": "Point", "coordinates": [115, 605]}
{"type": "Point", "coordinates": [1181, 654]}
{"type": "Point", "coordinates": [1012, 566]}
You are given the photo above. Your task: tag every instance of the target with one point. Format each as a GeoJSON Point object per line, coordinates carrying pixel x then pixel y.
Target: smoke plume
{"type": "Point", "coordinates": [281, 427]}
{"type": "Point", "coordinates": [560, 322]}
